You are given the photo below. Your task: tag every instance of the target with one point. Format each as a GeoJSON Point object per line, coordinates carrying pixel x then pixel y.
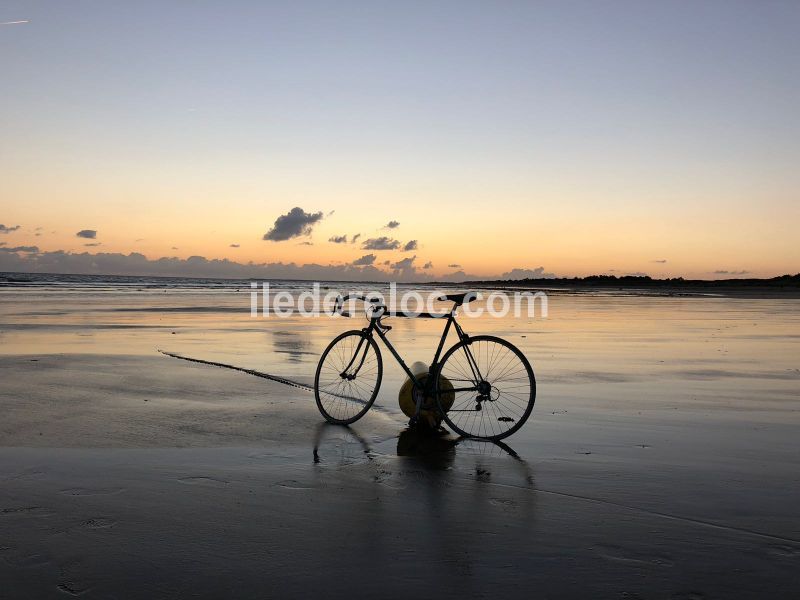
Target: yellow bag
{"type": "Point", "coordinates": [429, 413]}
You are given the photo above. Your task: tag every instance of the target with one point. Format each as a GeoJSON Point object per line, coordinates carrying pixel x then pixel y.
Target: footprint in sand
{"type": "Point", "coordinates": [72, 589]}
{"type": "Point", "coordinates": [205, 481]}
{"type": "Point", "coordinates": [504, 503]}
{"type": "Point", "coordinates": [91, 491]}
{"type": "Point", "coordinates": [24, 511]}
{"type": "Point", "coordinates": [293, 484]}
{"type": "Point", "coordinates": [99, 523]}
{"type": "Point", "coordinates": [618, 554]}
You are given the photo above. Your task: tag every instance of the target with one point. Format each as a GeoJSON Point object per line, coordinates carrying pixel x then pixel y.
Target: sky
{"type": "Point", "coordinates": [502, 138]}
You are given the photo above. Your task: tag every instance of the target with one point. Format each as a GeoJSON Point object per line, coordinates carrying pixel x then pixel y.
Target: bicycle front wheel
{"type": "Point", "coordinates": [485, 388]}
{"type": "Point", "coordinates": [348, 377]}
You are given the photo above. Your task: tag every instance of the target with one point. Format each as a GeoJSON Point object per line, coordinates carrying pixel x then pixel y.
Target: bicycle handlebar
{"type": "Point", "coordinates": [340, 300]}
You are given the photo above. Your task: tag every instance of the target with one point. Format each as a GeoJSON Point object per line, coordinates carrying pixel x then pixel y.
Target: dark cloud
{"type": "Point", "coordinates": [306, 244]}
{"type": "Point", "coordinates": [355, 238]}
{"type": "Point", "coordinates": [392, 225]}
{"type": "Point", "coordinates": [338, 239]}
{"type": "Point", "coordinates": [367, 259]}
{"type": "Point", "coordinates": [405, 265]}
{"type": "Point", "coordinates": [537, 273]}
{"type": "Point", "coordinates": [31, 259]}
{"type": "Point", "coordinates": [27, 259]}
{"type": "Point", "coordinates": [454, 266]}
{"type": "Point", "coordinates": [26, 249]}
{"type": "Point", "coordinates": [175, 248]}
{"type": "Point", "coordinates": [93, 244]}
{"type": "Point", "coordinates": [412, 245]}
{"type": "Point", "coordinates": [380, 243]}
{"type": "Point", "coordinates": [293, 224]}
{"type": "Point", "coordinates": [2, 243]}
{"type": "Point", "coordinates": [37, 234]}
{"type": "Point", "coordinates": [660, 260]}
{"type": "Point", "coordinates": [428, 265]}
{"type": "Point", "coordinates": [725, 272]}
{"type": "Point", "coordinates": [5, 229]}
{"type": "Point", "coordinates": [234, 246]}
{"type": "Point", "coordinates": [89, 234]}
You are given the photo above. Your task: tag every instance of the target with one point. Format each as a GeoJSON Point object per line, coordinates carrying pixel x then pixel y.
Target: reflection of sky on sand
{"type": "Point", "coordinates": [644, 356]}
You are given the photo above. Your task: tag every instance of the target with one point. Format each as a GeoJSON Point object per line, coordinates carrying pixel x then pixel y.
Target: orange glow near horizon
{"type": "Point", "coordinates": [681, 160]}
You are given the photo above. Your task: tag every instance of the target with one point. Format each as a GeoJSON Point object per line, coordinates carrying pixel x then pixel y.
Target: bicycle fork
{"type": "Point", "coordinates": [354, 374]}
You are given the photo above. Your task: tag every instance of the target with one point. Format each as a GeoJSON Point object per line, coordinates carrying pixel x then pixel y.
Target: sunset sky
{"type": "Point", "coordinates": [581, 137]}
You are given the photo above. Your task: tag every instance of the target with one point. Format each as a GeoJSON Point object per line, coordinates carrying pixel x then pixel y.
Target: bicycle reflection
{"type": "Point", "coordinates": [342, 445]}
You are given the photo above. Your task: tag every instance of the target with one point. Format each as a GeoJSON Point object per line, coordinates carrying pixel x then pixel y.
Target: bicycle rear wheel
{"type": "Point", "coordinates": [348, 377]}
{"type": "Point", "coordinates": [491, 386]}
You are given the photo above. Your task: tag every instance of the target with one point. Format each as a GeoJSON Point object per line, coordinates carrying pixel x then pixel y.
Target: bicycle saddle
{"type": "Point", "coordinates": [459, 299]}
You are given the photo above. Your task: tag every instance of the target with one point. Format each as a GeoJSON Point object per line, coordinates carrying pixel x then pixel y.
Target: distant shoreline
{"type": "Point", "coordinates": [784, 286]}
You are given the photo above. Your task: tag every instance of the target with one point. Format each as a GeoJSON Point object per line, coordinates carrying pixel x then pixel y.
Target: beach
{"type": "Point", "coordinates": [661, 459]}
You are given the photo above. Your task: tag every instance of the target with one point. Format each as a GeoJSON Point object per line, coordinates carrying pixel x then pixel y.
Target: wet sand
{"type": "Point", "coordinates": [142, 477]}
{"type": "Point", "coordinates": [663, 466]}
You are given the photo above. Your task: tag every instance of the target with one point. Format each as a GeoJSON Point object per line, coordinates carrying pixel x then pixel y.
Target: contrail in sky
{"type": "Point", "coordinates": [14, 22]}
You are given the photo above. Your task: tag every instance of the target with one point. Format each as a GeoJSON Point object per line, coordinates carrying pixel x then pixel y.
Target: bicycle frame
{"type": "Point", "coordinates": [375, 326]}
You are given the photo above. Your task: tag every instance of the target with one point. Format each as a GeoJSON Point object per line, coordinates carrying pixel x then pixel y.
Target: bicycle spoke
{"type": "Point", "coordinates": [498, 404]}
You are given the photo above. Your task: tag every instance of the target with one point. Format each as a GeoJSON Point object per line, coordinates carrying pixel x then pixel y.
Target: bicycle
{"type": "Point", "coordinates": [483, 387]}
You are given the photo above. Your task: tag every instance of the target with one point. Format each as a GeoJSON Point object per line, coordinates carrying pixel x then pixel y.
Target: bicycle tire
{"type": "Point", "coordinates": [511, 362]}
{"type": "Point", "coordinates": [342, 395]}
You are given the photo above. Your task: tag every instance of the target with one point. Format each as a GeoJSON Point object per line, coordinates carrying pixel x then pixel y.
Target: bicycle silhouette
{"type": "Point", "coordinates": [483, 387]}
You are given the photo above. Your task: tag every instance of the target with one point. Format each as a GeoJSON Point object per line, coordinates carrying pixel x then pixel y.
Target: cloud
{"type": "Point", "coordinates": [355, 238]}
{"type": "Point", "coordinates": [306, 244]}
{"type": "Point", "coordinates": [380, 243]}
{"type": "Point", "coordinates": [4, 229]}
{"type": "Point", "coordinates": [428, 265]}
{"type": "Point", "coordinates": [37, 234]}
{"type": "Point", "coordinates": [93, 244]}
{"type": "Point", "coordinates": [234, 246]}
{"type": "Point", "coordinates": [89, 234]}
{"type": "Point", "coordinates": [338, 239]}
{"type": "Point", "coordinates": [724, 272]}
{"type": "Point", "coordinates": [661, 261]}
{"type": "Point", "coordinates": [293, 224]}
{"type": "Point", "coordinates": [392, 225]}
{"type": "Point", "coordinates": [405, 265]}
{"type": "Point", "coordinates": [537, 273]}
{"type": "Point", "coordinates": [412, 245]}
{"type": "Point", "coordinates": [454, 266]}
{"type": "Point", "coordinates": [14, 22]}
{"type": "Point", "coordinates": [175, 248]}
{"type": "Point", "coordinates": [367, 259]}
{"type": "Point", "coordinates": [30, 259]}
{"type": "Point", "coordinates": [2, 243]}
{"type": "Point", "coordinates": [26, 249]}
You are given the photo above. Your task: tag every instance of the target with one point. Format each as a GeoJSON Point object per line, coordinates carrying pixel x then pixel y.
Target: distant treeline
{"type": "Point", "coordinates": [644, 281]}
